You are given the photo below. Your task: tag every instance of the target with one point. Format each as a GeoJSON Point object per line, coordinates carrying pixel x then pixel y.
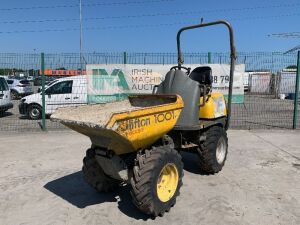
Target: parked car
{"type": "Point", "coordinates": [30, 78]}
{"type": "Point", "coordinates": [69, 91]}
{"type": "Point", "coordinates": [47, 85]}
{"type": "Point", "coordinates": [19, 88]}
{"type": "Point", "coordinates": [38, 80]}
{"type": "Point", "coordinates": [5, 102]}
{"type": "Point", "coordinates": [15, 77]}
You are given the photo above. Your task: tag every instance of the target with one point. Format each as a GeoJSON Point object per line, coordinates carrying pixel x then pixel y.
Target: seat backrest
{"type": "Point", "coordinates": [178, 82]}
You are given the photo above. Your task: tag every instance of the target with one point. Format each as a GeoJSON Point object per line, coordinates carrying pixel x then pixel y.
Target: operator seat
{"type": "Point", "coordinates": [203, 75]}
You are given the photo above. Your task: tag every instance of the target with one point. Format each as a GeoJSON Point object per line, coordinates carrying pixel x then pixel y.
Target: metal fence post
{"type": "Point", "coordinates": [125, 57]}
{"type": "Point", "coordinates": [295, 117]}
{"type": "Point", "coordinates": [209, 57]}
{"type": "Point", "coordinates": [43, 92]}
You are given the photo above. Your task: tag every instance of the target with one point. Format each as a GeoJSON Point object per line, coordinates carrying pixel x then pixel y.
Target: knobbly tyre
{"type": "Point", "coordinates": [137, 141]}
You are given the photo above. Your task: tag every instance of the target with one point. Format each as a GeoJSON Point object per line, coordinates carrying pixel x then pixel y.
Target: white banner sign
{"type": "Point", "coordinates": [115, 81]}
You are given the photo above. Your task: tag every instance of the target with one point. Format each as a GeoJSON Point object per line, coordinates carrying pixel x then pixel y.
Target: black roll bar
{"type": "Point", "coordinates": [232, 58]}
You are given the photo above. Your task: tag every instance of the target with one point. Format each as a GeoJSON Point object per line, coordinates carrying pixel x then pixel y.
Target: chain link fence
{"type": "Point", "coordinates": [269, 84]}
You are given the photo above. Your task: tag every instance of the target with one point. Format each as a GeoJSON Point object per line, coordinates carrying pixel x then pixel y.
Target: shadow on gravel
{"type": "Point", "coordinates": [191, 163]}
{"type": "Point", "coordinates": [6, 114]}
{"type": "Point", "coordinates": [23, 117]}
{"type": "Point", "coordinates": [76, 191]}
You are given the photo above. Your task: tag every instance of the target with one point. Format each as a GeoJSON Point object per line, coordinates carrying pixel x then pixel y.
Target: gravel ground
{"type": "Point", "coordinates": [41, 183]}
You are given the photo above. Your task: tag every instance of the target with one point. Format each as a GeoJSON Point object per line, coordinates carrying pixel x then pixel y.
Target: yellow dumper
{"type": "Point", "coordinates": [137, 141]}
{"type": "Point", "coordinates": [126, 126]}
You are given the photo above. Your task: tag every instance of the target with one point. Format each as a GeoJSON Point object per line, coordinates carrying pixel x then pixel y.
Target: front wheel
{"type": "Point", "coordinates": [213, 150]}
{"type": "Point", "coordinates": [157, 179]}
{"type": "Point", "coordinates": [35, 112]}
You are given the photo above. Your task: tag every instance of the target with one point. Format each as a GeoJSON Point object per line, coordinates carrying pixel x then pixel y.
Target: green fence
{"type": "Point", "coordinates": [265, 83]}
{"type": "Point", "coordinates": [12, 63]}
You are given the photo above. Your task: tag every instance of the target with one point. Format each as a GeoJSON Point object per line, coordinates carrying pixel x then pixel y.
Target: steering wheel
{"type": "Point", "coordinates": [188, 70]}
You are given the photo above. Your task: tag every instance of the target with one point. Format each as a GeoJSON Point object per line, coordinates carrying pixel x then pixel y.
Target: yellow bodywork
{"type": "Point", "coordinates": [214, 107]}
{"type": "Point", "coordinates": [145, 126]}
{"type": "Point", "coordinates": [134, 124]}
{"type": "Point", "coordinates": [131, 125]}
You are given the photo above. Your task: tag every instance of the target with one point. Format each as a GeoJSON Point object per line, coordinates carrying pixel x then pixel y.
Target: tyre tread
{"type": "Point", "coordinates": [95, 176]}
{"type": "Point", "coordinates": [207, 157]}
{"type": "Point", "coordinates": [143, 176]}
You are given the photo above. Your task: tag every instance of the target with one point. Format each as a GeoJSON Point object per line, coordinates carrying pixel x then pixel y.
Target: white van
{"type": "Point", "coordinates": [68, 91]}
{"type": "Point", "coordinates": [5, 102]}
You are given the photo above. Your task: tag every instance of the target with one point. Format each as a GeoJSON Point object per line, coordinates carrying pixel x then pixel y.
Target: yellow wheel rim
{"type": "Point", "coordinates": [167, 182]}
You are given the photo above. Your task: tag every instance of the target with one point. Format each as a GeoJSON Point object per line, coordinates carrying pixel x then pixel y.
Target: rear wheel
{"type": "Point", "coordinates": [213, 150]}
{"type": "Point", "coordinates": [94, 175]}
{"type": "Point", "coordinates": [156, 180]}
{"type": "Point", "coordinates": [34, 112]}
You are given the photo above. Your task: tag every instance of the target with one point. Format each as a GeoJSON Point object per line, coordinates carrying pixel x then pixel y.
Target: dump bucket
{"type": "Point", "coordinates": [125, 126]}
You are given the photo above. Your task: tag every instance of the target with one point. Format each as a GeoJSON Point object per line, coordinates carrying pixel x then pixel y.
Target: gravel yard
{"type": "Point", "coordinates": [41, 183]}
